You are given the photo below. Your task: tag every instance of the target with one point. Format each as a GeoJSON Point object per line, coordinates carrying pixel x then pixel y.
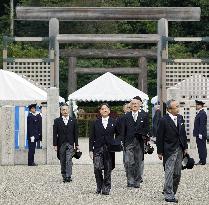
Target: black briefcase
{"type": "Point", "coordinates": [115, 146]}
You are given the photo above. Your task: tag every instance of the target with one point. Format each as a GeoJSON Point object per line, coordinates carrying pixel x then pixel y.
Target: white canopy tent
{"type": "Point", "coordinates": [154, 100]}
{"type": "Point", "coordinates": [107, 87]}
{"type": "Point", "coordinates": [15, 88]}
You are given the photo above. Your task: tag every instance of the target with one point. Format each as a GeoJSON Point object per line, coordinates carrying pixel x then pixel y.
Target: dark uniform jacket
{"type": "Point", "coordinates": [33, 127]}
{"type": "Point", "coordinates": [170, 136]}
{"type": "Point", "coordinates": [64, 133]}
{"type": "Point", "coordinates": [200, 124]}
{"type": "Point", "coordinates": [100, 136]}
{"type": "Point", "coordinates": [131, 129]}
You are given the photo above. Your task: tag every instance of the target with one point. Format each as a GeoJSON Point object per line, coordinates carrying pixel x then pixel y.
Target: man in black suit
{"type": "Point", "coordinates": [171, 146]}
{"type": "Point", "coordinates": [135, 127]}
{"type": "Point", "coordinates": [155, 121]}
{"type": "Point", "coordinates": [102, 135]}
{"type": "Point", "coordinates": [65, 139]}
{"type": "Point", "coordinates": [126, 109]}
{"type": "Point", "coordinates": [33, 133]}
{"type": "Point", "coordinates": [200, 132]}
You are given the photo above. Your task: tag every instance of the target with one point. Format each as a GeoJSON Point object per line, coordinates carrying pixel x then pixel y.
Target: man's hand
{"type": "Point", "coordinates": [55, 148]}
{"type": "Point", "coordinates": [185, 151]}
{"type": "Point", "coordinates": [160, 156]}
{"type": "Point", "coordinates": [91, 155]}
{"type": "Point", "coordinates": [200, 136]}
{"type": "Point", "coordinates": [77, 148]}
{"type": "Point", "coordinates": [32, 139]}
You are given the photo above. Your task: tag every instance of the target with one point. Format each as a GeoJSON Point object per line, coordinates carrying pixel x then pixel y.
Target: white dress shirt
{"type": "Point", "coordinates": [174, 118]}
{"type": "Point", "coordinates": [135, 115]}
{"type": "Point", "coordinates": [65, 119]}
{"type": "Point", "coordinates": [105, 121]}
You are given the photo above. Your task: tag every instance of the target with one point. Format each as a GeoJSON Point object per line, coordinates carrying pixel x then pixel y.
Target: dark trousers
{"type": "Point", "coordinates": [66, 152]}
{"type": "Point", "coordinates": [133, 161]}
{"type": "Point", "coordinates": [102, 161]}
{"type": "Point", "coordinates": [31, 152]}
{"type": "Point", "coordinates": [202, 149]}
{"type": "Point", "coordinates": [173, 166]}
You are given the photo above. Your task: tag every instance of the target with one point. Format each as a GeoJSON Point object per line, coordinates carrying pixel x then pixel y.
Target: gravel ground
{"type": "Point", "coordinates": [43, 185]}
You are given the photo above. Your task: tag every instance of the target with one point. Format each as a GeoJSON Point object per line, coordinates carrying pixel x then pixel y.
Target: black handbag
{"type": "Point", "coordinates": [115, 146]}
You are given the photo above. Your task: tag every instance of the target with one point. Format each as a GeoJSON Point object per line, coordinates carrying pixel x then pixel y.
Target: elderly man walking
{"type": "Point", "coordinates": [65, 140]}
{"type": "Point", "coordinates": [135, 127]}
{"type": "Point", "coordinates": [171, 146]}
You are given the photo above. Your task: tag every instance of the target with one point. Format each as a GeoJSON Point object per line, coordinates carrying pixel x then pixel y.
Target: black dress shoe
{"type": "Point", "coordinates": [105, 193]}
{"type": "Point", "coordinates": [130, 185]}
{"type": "Point", "coordinates": [68, 179]}
{"type": "Point", "coordinates": [200, 163]}
{"type": "Point", "coordinates": [172, 200]}
{"type": "Point", "coordinates": [34, 164]}
{"type": "Point", "coordinates": [98, 191]}
{"type": "Point", "coordinates": [136, 186]}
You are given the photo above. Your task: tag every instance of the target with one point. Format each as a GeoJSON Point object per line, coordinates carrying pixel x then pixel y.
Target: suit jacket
{"type": "Point", "coordinates": [64, 133]}
{"type": "Point", "coordinates": [33, 127]}
{"type": "Point", "coordinates": [131, 129]}
{"type": "Point", "coordinates": [170, 136]}
{"type": "Point", "coordinates": [100, 136]}
{"type": "Point", "coordinates": [155, 122]}
{"type": "Point", "coordinates": [200, 124]}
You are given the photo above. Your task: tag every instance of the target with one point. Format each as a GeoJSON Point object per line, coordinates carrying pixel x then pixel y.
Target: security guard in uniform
{"type": "Point", "coordinates": [200, 132]}
{"type": "Point", "coordinates": [33, 133]}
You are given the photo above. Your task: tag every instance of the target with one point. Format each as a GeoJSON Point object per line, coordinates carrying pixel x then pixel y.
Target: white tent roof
{"type": "Point", "coordinates": [154, 100]}
{"type": "Point", "coordinates": [107, 87]}
{"type": "Point", "coordinates": [15, 88]}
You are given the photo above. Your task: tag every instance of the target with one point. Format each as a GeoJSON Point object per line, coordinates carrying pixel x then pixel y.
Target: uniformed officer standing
{"type": "Point", "coordinates": [200, 132]}
{"type": "Point", "coordinates": [33, 133]}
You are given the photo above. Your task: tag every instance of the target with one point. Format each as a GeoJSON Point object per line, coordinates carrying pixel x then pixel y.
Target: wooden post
{"type": "Point", "coordinates": [72, 76]}
{"type": "Point", "coordinates": [52, 113]}
{"type": "Point", "coordinates": [142, 79]}
{"type": "Point", "coordinates": [53, 32]}
{"type": "Point", "coordinates": [52, 68]}
{"type": "Point", "coordinates": [162, 54]}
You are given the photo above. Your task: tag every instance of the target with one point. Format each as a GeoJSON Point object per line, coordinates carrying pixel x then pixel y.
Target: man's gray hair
{"type": "Point", "coordinates": [168, 103]}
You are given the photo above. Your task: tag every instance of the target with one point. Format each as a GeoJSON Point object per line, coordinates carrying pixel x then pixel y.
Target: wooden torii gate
{"type": "Point", "coordinates": [140, 54]}
{"type": "Point", "coordinates": [160, 14]}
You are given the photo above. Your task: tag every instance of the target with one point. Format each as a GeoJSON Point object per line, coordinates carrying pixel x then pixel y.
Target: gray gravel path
{"type": "Point", "coordinates": [43, 185]}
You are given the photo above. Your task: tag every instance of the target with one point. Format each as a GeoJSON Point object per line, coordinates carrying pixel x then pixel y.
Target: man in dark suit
{"type": "Point", "coordinates": [126, 109]}
{"type": "Point", "coordinates": [102, 135]}
{"type": "Point", "coordinates": [171, 146]}
{"type": "Point", "coordinates": [65, 139]}
{"type": "Point", "coordinates": [155, 121]}
{"type": "Point", "coordinates": [135, 127]}
{"type": "Point", "coordinates": [33, 133]}
{"type": "Point", "coordinates": [200, 132]}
